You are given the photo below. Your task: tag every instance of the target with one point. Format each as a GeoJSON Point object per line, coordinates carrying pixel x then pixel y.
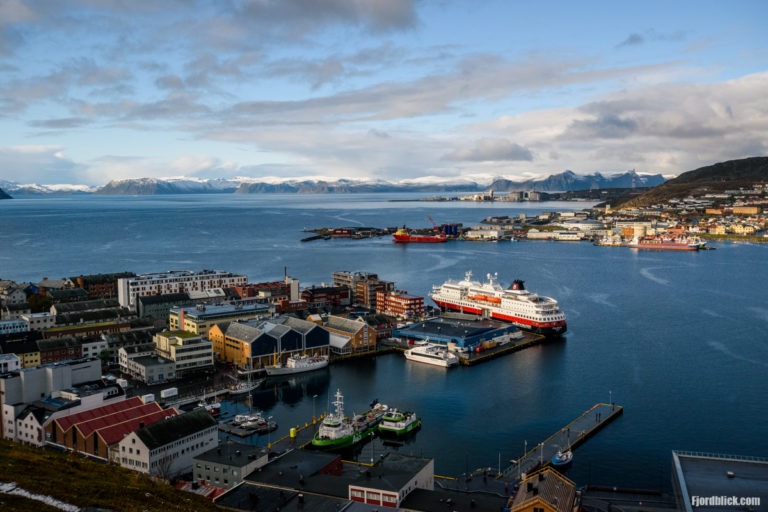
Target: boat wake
{"type": "Point", "coordinates": [646, 273]}
{"type": "Point", "coordinates": [724, 350]}
{"type": "Point", "coordinates": [602, 299]}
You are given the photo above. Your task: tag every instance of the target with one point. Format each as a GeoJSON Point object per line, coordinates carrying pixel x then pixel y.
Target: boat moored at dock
{"type": "Point", "coordinates": [667, 243]}
{"type": "Point", "coordinates": [298, 364]}
{"type": "Point", "coordinates": [338, 431]}
{"type": "Point", "coordinates": [398, 423]}
{"type": "Point", "coordinates": [515, 304]}
{"type": "Point", "coordinates": [431, 353]}
{"type": "Point", "coordinates": [404, 236]}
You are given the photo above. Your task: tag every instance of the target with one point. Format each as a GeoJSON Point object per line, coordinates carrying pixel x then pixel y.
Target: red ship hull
{"type": "Point", "coordinates": [419, 239]}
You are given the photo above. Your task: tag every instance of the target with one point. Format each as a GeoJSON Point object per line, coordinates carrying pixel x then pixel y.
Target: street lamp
{"type": "Point", "coordinates": [541, 454]}
{"type": "Point", "coordinates": [313, 408]}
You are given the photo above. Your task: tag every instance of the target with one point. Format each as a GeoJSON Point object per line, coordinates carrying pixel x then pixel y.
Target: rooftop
{"type": "Point", "coordinates": [705, 475]}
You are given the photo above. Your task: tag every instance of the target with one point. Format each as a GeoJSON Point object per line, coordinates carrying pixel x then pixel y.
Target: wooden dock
{"type": "Point", "coordinates": [573, 434]}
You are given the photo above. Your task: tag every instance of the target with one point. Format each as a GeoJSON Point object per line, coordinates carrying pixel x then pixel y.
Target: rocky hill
{"type": "Point", "coordinates": [719, 177]}
{"type": "Point", "coordinates": [3, 195]}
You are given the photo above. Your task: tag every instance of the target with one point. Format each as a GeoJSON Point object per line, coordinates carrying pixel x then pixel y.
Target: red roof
{"type": "Point", "coordinates": [66, 422]}
{"type": "Point", "coordinates": [86, 428]}
{"type": "Point", "coordinates": [112, 434]}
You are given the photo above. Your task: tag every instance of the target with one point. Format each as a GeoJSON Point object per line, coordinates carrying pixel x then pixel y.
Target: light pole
{"type": "Point", "coordinates": [541, 454]}
{"type": "Point", "coordinates": [313, 408]}
{"type": "Point", "coordinates": [610, 398]}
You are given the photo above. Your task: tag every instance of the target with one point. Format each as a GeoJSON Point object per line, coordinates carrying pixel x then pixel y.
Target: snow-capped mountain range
{"type": "Point", "coordinates": [562, 182]}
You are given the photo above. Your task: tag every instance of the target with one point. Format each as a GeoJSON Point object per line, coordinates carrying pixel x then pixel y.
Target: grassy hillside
{"type": "Point", "coordinates": [711, 179]}
{"type": "Point", "coordinates": [85, 483]}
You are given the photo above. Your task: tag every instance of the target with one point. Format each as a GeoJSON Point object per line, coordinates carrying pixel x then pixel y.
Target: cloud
{"type": "Point", "coordinates": [62, 123]}
{"type": "Point", "coordinates": [490, 149]}
{"type": "Point", "coordinates": [39, 164]}
{"type": "Point", "coordinates": [632, 40]}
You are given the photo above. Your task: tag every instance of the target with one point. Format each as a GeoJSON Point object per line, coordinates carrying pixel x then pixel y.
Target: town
{"type": "Point", "coordinates": [738, 214]}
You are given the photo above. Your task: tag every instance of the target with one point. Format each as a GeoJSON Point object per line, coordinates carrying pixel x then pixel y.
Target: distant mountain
{"type": "Point", "coordinates": [153, 186]}
{"type": "Point", "coordinates": [351, 186]}
{"type": "Point", "coordinates": [719, 177]}
{"type": "Point", "coordinates": [3, 195]}
{"type": "Point", "coordinates": [569, 181]}
{"type": "Point", "coordinates": [19, 190]}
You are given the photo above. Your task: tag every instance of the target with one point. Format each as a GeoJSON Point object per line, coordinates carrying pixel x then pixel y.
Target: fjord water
{"type": "Point", "coordinates": [679, 339]}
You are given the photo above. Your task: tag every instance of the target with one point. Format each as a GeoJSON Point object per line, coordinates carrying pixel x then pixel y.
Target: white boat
{"type": "Point", "coordinates": [433, 354]}
{"type": "Point", "coordinates": [297, 364]}
{"type": "Point", "coordinates": [515, 304]}
{"type": "Point", "coordinates": [245, 387]}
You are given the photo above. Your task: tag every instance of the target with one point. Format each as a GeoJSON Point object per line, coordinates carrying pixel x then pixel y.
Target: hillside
{"type": "Point", "coordinates": [570, 181]}
{"type": "Point", "coordinates": [84, 483]}
{"type": "Point", "coordinates": [705, 180]}
{"type": "Point", "coordinates": [3, 195]}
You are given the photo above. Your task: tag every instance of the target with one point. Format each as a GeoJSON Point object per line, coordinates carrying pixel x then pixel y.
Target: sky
{"type": "Point", "coordinates": [396, 90]}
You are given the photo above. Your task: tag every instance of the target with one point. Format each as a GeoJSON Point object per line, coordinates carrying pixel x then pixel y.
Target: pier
{"type": "Point", "coordinates": [528, 339]}
{"type": "Point", "coordinates": [571, 435]}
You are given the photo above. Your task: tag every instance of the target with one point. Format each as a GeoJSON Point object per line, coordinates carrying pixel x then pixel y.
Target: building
{"type": "Point", "coordinates": [350, 336]}
{"type": "Point", "coordinates": [129, 288]}
{"type": "Point", "coordinates": [100, 286]}
{"type": "Point", "coordinates": [363, 285]}
{"type": "Point", "coordinates": [9, 363]}
{"type": "Point", "coordinates": [400, 304]}
{"type": "Point", "coordinates": [11, 293]}
{"type": "Point", "coordinates": [226, 465]}
{"type": "Point", "coordinates": [32, 420]}
{"type": "Point", "coordinates": [190, 353]}
{"type": "Point", "coordinates": [96, 432]}
{"type": "Point", "coordinates": [158, 307]}
{"type": "Point", "coordinates": [709, 482]}
{"type": "Point", "coordinates": [328, 297]}
{"type": "Point", "coordinates": [25, 386]}
{"type": "Point", "coordinates": [464, 335]}
{"type": "Point", "coordinates": [13, 326]}
{"type": "Point", "coordinates": [25, 346]}
{"type": "Point", "coordinates": [545, 490]}
{"type": "Point", "coordinates": [258, 344]}
{"type": "Point", "coordinates": [59, 349]}
{"type": "Point", "coordinates": [168, 448]}
{"type": "Point", "coordinates": [39, 321]}
{"type": "Point", "coordinates": [295, 480]}
{"type": "Point", "coordinates": [142, 363]}
{"type": "Point", "coordinates": [201, 318]}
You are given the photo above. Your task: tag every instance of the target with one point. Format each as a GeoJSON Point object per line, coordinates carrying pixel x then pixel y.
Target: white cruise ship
{"type": "Point", "coordinates": [517, 305]}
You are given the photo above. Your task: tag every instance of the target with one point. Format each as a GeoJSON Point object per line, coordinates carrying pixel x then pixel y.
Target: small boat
{"type": "Point", "coordinates": [433, 354]}
{"type": "Point", "coordinates": [398, 423]}
{"type": "Point", "coordinates": [213, 408]}
{"type": "Point", "coordinates": [254, 422]}
{"type": "Point", "coordinates": [562, 458]}
{"type": "Point", "coordinates": [243, 387]}
{"type": "Point", "coordinates": [297, 364]}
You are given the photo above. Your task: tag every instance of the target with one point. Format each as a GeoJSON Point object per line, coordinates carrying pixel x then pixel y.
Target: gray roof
{"type": "Point", "coordinates": [243, 332]}
{"type": "Point", "coordinates": [297, 324]}
{"type": "Point", "coordinates": [175, 427]}
{"type": "Point", "coordinates": [86, 305]}
{"type": "Point", "coordinates": [232, 454]}
{"type": "Point", "coordinates": [344, 324]}
{"type": "Point", "coordinates": [168, 298]}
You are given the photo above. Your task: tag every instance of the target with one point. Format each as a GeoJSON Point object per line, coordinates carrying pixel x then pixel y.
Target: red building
{"type": "Point", "coordinates": [399, 304]}
{"type": "Point", "coordinates": [327, 296]}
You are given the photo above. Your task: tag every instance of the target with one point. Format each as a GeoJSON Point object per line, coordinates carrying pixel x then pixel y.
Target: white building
{"type": "Point", "coordinates": [39, 321]}
{"type": "Point", "coordinates": [190, 352]}
{"type": "Point", "coordinates": [226, 465]}
{"type": "Point", "coordinates": [175, 281]}
{"type": "Point", "coordinates": [94, 347]}
{"type": "Point", "coordinates": [168, 447]}
{"type": "Point", "coordinates": [9, 363]}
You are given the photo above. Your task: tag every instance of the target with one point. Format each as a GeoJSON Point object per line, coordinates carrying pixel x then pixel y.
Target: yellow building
{"type": "Point", "coordinates": [350, 336]}
{"type": "Point", "coordinates": [545, 490]}
{"type": "Point", "coordinates": [745, 210]}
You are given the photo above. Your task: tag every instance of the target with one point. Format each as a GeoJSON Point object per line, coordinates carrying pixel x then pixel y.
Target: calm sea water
{"type": "Point", "coordinates": [679, 339]}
